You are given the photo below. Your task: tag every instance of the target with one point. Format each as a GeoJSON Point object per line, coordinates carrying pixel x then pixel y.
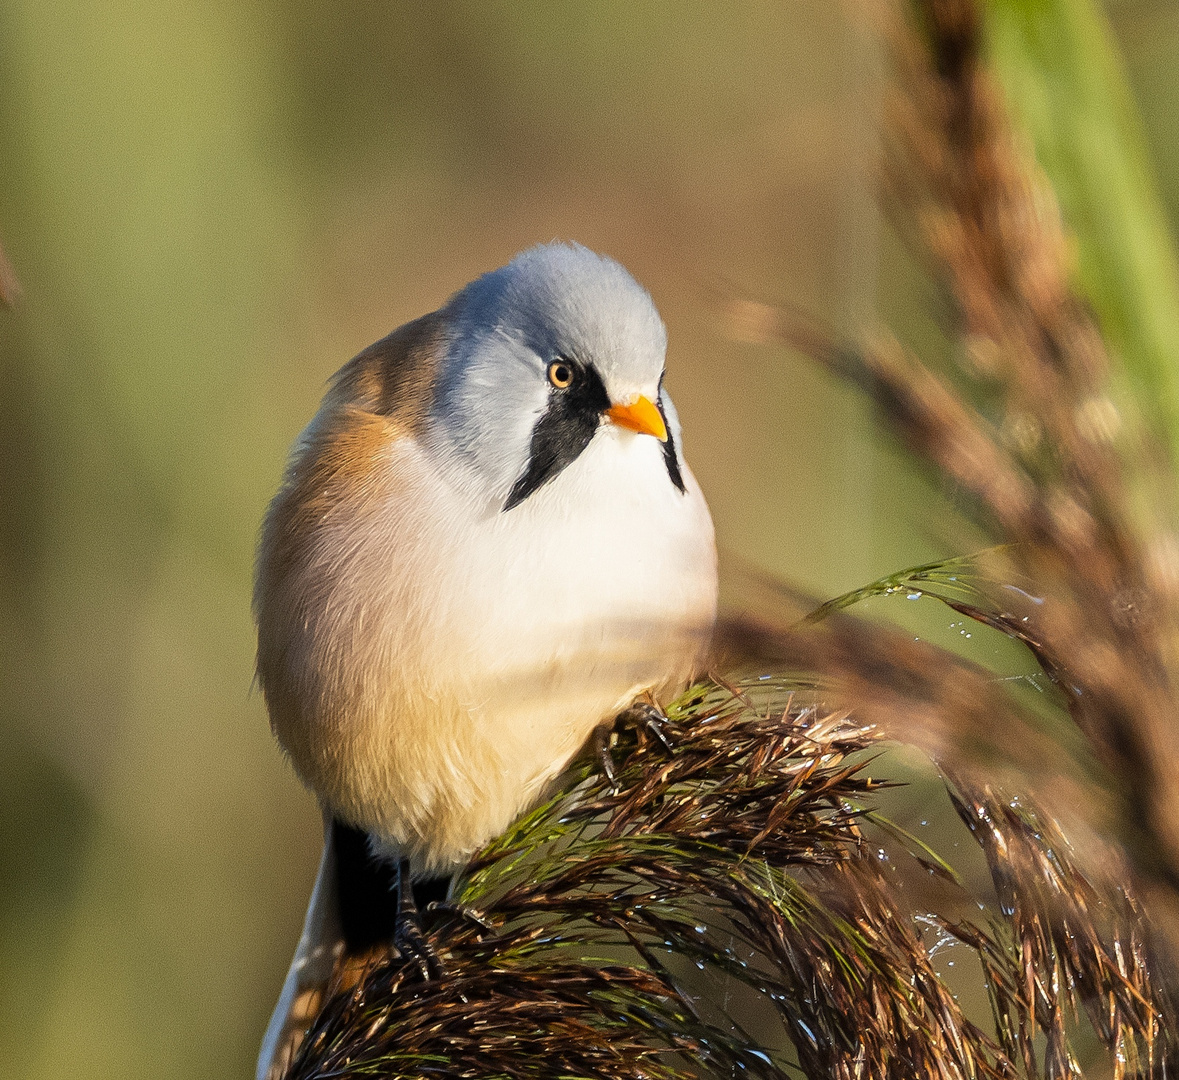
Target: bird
{"type": "Point", "coordinates": [486, 545]}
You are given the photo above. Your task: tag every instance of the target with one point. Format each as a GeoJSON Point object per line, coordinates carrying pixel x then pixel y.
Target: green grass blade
{"type": "Point", "coordinates": [1067, 89]}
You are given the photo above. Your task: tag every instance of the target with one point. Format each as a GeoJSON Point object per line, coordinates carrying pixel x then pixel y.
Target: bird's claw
{"type": "Point", "coordinates": [409, 937]}
{"type": "Point", "coordinates": [467, 914]}
{"type": "Point", "coordinates": [644, 714]}
{"type": "Point", "coordinates": [413, 945]}
{"type": "Point", "coordinates": [641, 714]}
{"type": "Point", "coordinates": [606, 759]}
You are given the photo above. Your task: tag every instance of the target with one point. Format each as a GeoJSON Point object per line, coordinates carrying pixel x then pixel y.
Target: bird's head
{"type": "Point", "coordinates": [539, 355]}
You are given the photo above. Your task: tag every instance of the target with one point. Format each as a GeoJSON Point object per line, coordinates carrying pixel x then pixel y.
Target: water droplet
{"type": "Point", "coordinates": [913, 596]}
{"type": "Point", "coordinates": [701, 929]}
{"type": "Point", "coordinates": [925, 823]}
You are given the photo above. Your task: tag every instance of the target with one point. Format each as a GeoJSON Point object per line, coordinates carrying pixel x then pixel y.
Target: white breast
{"type": "Point", "coordinates": [458, 658]}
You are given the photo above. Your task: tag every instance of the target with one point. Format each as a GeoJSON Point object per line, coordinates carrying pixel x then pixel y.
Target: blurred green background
{"type": "Point", "coordinates": [213, 204]}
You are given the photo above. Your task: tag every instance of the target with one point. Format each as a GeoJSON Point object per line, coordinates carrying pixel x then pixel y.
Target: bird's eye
{"type": "Point", "coordinates": [560, 374]}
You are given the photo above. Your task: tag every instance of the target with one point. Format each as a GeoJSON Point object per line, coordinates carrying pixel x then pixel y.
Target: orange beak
{"type": "Point", "coordinates": [641, 415]}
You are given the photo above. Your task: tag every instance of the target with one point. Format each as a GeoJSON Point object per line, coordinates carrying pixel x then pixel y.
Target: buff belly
{"type": "Point", "coordinates": [432, 708]}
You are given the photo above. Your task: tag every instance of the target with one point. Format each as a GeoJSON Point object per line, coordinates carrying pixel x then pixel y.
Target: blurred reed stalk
{"type": "Point", "coordinates": [1028, 428]}
{"type": "Point", "coordinates": [584, 941]}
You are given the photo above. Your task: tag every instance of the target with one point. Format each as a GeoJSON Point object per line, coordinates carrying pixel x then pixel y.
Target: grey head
{"type": "Point", "coordinates": [537, 352]}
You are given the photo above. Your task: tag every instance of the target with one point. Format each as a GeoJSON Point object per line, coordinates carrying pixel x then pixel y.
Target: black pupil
{"type": "Point", "coordinates": [561, 375]}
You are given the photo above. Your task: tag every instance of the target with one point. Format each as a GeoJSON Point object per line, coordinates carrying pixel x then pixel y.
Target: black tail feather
{"type": "Point", "coordinates": [366, 890]}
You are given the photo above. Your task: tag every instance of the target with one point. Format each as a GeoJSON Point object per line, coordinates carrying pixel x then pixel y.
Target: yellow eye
{"type": "Point", "coordinates": [560, 374]}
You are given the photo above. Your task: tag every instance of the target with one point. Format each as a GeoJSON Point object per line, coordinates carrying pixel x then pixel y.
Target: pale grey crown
{"type": "Point", "coordinates": [552, 301]}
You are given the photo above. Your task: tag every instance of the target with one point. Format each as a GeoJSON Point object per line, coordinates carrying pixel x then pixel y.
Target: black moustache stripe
{"type": "Point", "coordinates": [565, 430]}
{"type": "Point", "coordinates": [562, 432]}
{"type": "Point", "coordinates": [669, 455]}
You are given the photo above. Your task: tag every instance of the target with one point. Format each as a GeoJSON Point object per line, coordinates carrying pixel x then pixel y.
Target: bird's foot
{"type": "Point", "coordinates": [467, 914]}
{"type": "Point", "coordinates": [413, 945]}
{"type": "Point", "coordinates": [642, 714]}
{"type": "Point", "coordinates": [646, 715]}
{"type": "Point", "coordinates": [601, 743]}
{"type": "Point", "coordinates": [409, 936]}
